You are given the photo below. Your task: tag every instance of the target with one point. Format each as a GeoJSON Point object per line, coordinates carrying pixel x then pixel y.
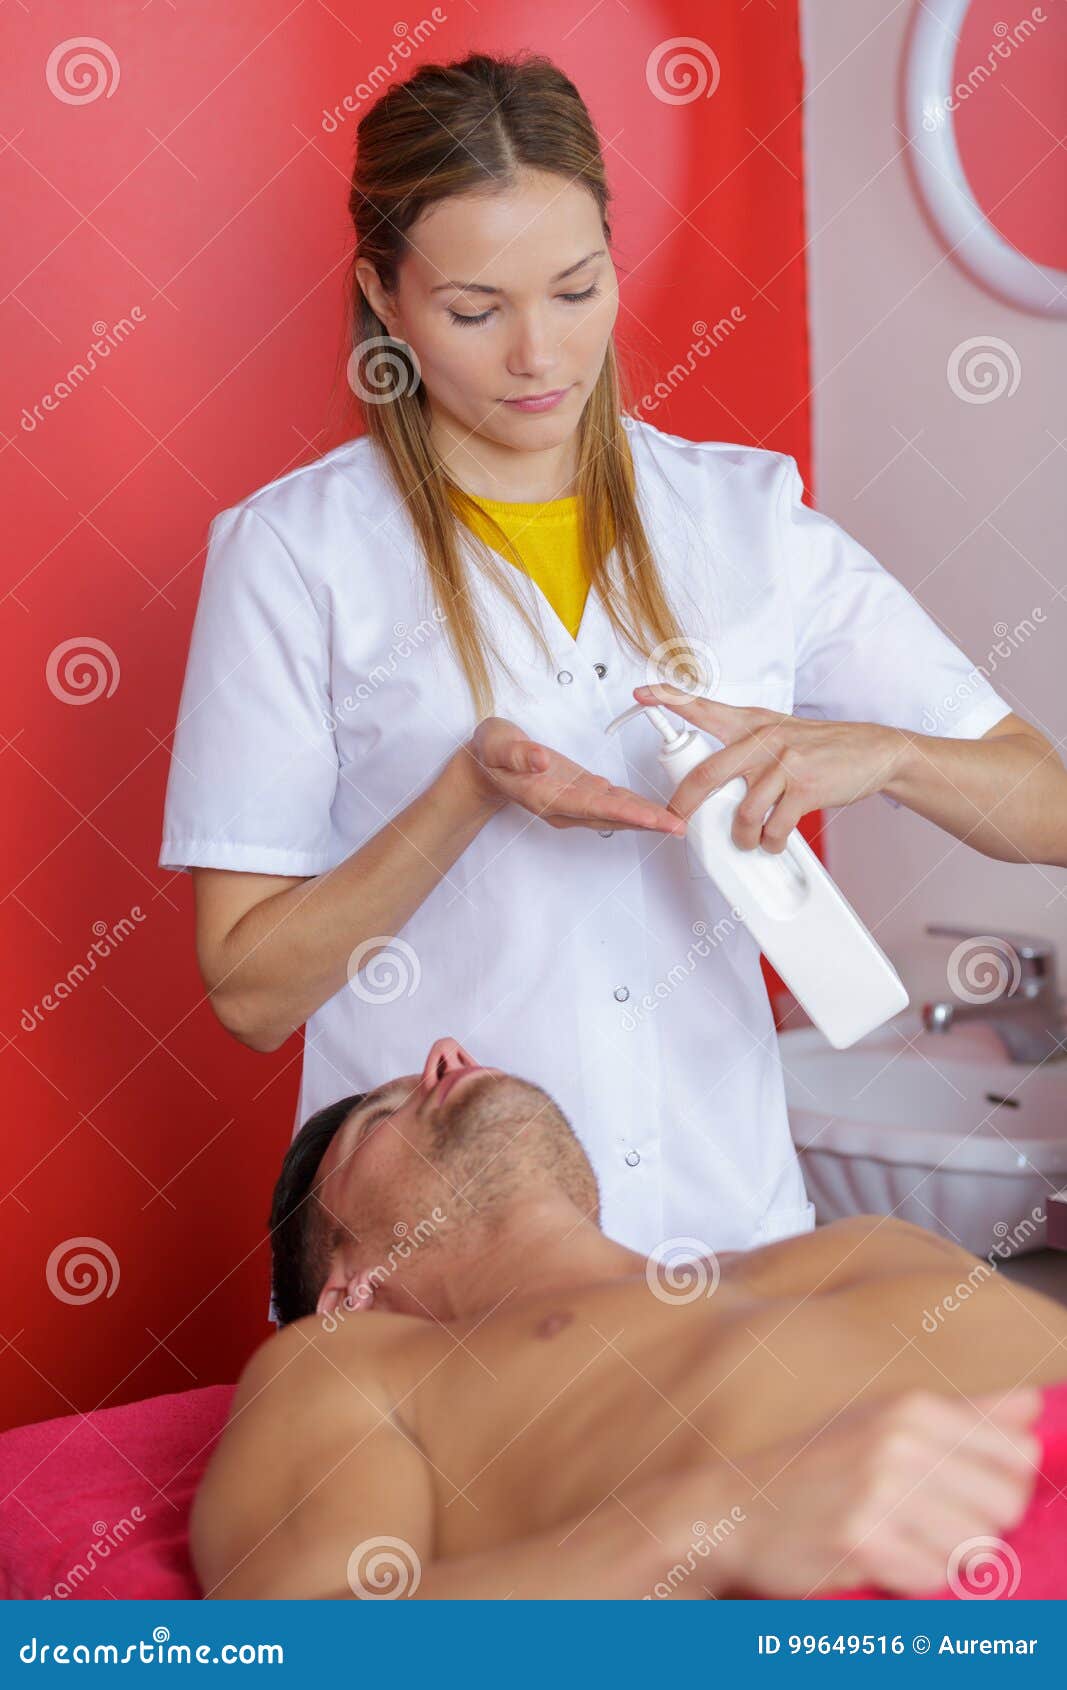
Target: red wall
{"type": "Point", "coordinates": [1007, 138]}
{"type": "Point", "coordinates": [200, 197]}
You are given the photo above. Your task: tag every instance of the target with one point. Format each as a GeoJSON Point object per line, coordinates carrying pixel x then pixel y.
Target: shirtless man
{"type": "Point", "coordinates": [475, 1393]}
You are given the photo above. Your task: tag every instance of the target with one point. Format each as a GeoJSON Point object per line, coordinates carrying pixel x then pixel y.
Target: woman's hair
{"type": "Point", "coordinates": [460, 128]}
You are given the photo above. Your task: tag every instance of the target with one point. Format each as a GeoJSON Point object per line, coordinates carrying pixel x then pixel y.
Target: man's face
{"type": "Point", "coordinates": [443, 1138]}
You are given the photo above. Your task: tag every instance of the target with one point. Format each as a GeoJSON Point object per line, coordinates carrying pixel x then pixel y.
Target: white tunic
{"type": "Point", "coordinates": [321, 696]}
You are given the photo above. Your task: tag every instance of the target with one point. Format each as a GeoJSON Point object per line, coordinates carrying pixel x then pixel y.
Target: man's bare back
{"type": "Point", "coordinates": [523, 1420]}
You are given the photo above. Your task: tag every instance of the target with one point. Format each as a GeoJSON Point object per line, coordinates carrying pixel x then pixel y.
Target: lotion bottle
{"type": "Point", "coordinates": [801, 921]}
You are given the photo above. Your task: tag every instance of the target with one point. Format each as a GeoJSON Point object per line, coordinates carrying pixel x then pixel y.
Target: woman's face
{"type": "Point", "coordinates": [505, 295]}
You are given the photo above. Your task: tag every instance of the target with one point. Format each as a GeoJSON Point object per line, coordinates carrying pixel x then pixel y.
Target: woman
{"type": "Point", "coordinates": [390, 771]}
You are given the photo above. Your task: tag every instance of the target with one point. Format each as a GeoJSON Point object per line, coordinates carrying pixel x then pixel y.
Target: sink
{"type": "Point", "coordinates": [936, 1128]}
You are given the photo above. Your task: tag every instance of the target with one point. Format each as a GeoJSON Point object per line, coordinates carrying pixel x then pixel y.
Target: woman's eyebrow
{"type": "Point", "coordinates": [483, 287]}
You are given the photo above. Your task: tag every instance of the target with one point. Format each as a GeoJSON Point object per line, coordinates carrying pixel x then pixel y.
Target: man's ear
{"type": "Point", "coordinates": [346, 1286]}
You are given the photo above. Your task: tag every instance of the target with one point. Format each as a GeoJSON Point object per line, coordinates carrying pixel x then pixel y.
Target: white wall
{"type": "Point", "coordinates": [965, 503]}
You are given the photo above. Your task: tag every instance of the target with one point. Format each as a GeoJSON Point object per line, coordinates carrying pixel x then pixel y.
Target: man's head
{"type": "Point", "coordinates": [374, 1182]}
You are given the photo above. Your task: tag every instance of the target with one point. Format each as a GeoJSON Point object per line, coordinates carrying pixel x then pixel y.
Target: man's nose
{"type": "Point", "coordinates": [445, 1056]}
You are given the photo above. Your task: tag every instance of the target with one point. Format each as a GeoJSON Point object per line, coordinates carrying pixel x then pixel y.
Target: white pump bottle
{"type": "Point", "coordinates": [801, 921]}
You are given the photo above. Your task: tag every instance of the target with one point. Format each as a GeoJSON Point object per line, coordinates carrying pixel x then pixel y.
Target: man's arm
{"type": "Point", "coordinates": [619, 1551]}
{"type": "Point", "coordinates": [335, 1501]}
{"type": "Point", "coordinates": [316, 1490]}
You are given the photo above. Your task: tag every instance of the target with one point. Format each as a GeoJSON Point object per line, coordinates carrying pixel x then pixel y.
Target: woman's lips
{"type": "Point", "coordinates": [543, 404]}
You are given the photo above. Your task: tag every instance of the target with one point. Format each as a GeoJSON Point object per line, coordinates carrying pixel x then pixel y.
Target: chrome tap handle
{"type": "Point", "coordinates": [1026, 946]}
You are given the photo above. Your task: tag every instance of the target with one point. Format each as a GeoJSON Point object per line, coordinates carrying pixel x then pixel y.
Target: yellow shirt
{"type": "Point", "coordinates": [545, 536]}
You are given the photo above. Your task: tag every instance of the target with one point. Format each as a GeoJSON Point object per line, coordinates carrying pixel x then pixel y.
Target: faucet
{"type": "Point", "coordinates": [1029, 1017]}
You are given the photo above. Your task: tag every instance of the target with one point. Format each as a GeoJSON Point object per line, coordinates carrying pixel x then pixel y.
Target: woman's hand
{"type": "Point", "coordinates": [508, 766]}
{"type": "Point", "coordinates": [792, 765]}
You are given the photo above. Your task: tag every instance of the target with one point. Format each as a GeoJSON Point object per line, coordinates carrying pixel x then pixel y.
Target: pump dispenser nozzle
{"type": "Point", "coordinates": [672, 736]}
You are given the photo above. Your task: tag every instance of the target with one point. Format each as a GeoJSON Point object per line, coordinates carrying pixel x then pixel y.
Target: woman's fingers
{"type": "Point", "coordinates": [604, 802]}
{"type": "Point", "coordinates": [726, 721]}
{"type": "Point", "coordinates": [513, 754]}
{"type": "Point", "coordinates": [566, 791]}
{"type": "Point", "coordinates": [617, 807]}
{"type": "Point", "coordinates": [531, 759]}
{"type": "Point", "coordinates": [748, 820]}
{"type": "Point", "coordinates": [714, 772]}
{"type": "Point", "coordinates": [559, 790]}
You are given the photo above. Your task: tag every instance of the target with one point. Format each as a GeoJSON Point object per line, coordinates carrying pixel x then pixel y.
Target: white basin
{"type": "Point", "coordinates": [936, 1128]}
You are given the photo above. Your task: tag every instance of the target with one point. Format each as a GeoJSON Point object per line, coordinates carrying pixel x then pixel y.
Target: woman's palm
{"type": "Point", "coordinates": [560, 791]}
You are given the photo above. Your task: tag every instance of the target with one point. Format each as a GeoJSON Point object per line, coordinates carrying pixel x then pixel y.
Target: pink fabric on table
{"type": "Point", "coordinates": [1031, 1562]}
{"type": "Point", "coordinates": [70, 1486]}
{"type": "Point", "coordinates": [63, 1480]}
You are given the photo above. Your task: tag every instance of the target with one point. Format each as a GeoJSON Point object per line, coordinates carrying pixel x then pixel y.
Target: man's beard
{"type": "Point", "coordinates": [492, 1134]}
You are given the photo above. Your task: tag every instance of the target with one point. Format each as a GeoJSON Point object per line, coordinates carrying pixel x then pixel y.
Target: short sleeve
{"type": "Point", "coordinates": [254, 767]}
{"type": "Point", "coordinates": [865, 649]}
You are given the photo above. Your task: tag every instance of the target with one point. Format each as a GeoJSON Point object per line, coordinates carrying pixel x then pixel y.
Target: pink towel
{"type": "Point", "coordinates": [96, 1506]}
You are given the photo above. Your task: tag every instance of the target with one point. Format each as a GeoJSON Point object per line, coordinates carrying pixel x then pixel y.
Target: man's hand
{"type": "Point", "coordinates": [882, 1495]}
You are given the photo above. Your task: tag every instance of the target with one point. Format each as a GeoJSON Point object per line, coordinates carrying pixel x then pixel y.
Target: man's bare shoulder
{"type": "Point", "coordinates": [305, 1399]}
{"type": "Point", "coordinates": [840, 1254]}
{"type": "Point", "coordinates": [290, 1380]}
{"type": "Point", "coordinates": [316, 1346]}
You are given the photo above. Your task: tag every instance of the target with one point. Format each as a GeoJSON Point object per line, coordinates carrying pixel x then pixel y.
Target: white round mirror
{"type": "Point", "coordinates": [985, 103]}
